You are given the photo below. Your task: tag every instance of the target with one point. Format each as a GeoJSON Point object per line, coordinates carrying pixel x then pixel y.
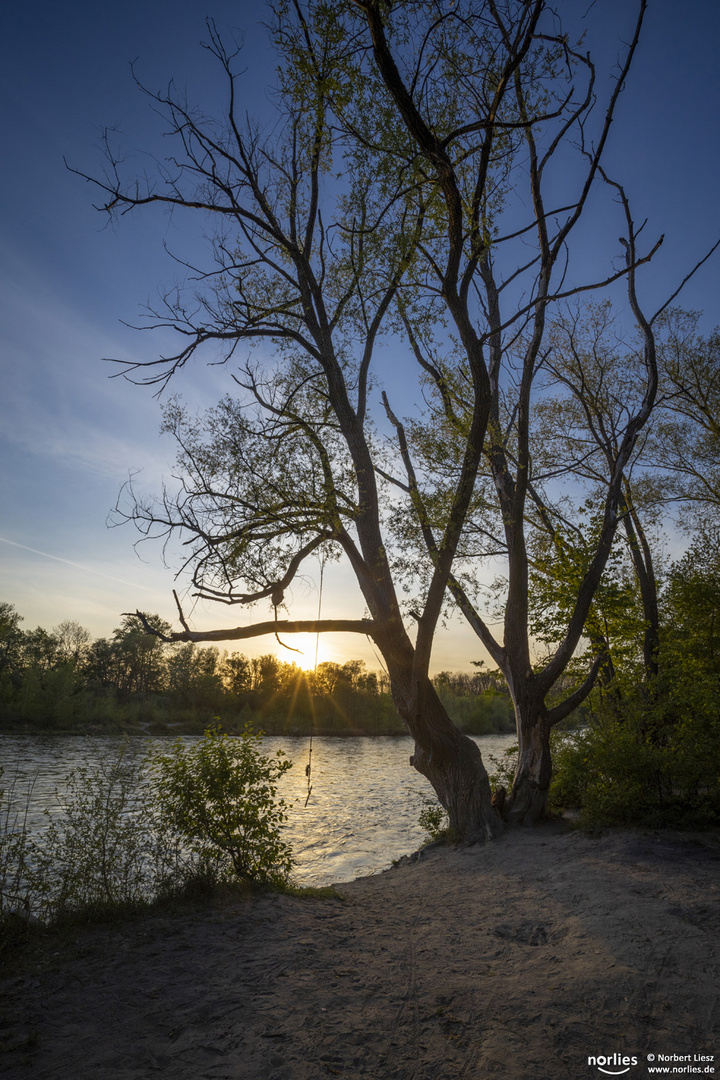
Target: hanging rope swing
{"type": "Point", "coordinates": [308, 767]}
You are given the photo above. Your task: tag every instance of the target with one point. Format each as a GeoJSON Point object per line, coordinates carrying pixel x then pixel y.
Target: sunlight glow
{"type": "Point", "coordinates": [304, 659]}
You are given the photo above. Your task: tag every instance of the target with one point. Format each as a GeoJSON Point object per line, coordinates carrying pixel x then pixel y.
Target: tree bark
{"type": "Point", "coordinates": [444, 755]}
{"type": "Point", "coordinates": [645, 575]}
{"type": "Point", "coordinates": [527, 802]}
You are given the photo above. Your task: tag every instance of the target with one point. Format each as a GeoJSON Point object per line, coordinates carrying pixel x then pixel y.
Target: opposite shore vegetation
{"type": "Point", "coordinates": [62, 681]}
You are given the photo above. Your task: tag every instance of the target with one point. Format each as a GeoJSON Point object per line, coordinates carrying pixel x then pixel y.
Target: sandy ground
{"type": "Point", "coordinates": [522, 958]}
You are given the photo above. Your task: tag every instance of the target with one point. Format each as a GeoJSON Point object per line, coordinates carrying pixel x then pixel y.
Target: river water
{"type": "Point", "coordinates": [361, 815]}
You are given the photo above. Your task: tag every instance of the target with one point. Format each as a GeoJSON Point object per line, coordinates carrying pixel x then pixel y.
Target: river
{"type": "Point", "coordinates": [361, 815]}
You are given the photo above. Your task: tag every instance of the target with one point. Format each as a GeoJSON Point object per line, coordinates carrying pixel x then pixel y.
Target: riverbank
{"type": "Point", "coordinates": [279, 726]}
{"type": "Point", "coordinates": [520, 959]}
{"type": "Point", "coordinates": [233, 726]}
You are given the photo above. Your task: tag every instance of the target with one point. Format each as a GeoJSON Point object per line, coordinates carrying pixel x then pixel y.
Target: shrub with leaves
{"type": "Point", "coordinates": [433, 819]}
{"type": "Point", "coordinates": [218, 795]}
{"type": "Point", "coordinates": [103, 847]}
{"type": "Point", "coordinates": [502, 769]}
{"type": "Point", "coordinates": [651, 760]}
{"type": "Point", "coordinates": [14, 844]}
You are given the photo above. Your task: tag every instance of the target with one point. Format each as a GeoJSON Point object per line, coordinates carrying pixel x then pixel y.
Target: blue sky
{"type": "Point", "coordinates": [69, 435]}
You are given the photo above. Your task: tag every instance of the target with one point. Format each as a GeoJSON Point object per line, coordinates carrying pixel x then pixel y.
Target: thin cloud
{"type": "Point", "coordinates": [78, 566]}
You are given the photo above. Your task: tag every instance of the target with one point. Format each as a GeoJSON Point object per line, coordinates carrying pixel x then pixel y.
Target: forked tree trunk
{"type": "Point", "coordinates": [448, 759]}
{"type": "Point", "coordinates": [527, 802]}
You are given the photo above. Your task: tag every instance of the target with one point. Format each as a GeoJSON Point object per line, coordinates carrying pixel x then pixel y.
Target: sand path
{"type": "Point", "coordinates": [519, 959]}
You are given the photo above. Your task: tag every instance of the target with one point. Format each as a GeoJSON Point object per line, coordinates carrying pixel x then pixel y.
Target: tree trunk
{"type": "Point", "coordinates": [645, 575]}
{"type": "Point", "coordinates": [462, 786]}
{"type": "Point", "coordinates": [527, 801]}
{"type": "Point", "coordinates": [448, 759]}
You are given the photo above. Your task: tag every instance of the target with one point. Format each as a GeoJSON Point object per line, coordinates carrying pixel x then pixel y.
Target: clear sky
{"type": "Point", "coordinates": [69, 435]}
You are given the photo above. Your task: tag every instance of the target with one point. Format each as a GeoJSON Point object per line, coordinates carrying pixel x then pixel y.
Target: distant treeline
{"type": "Point", "coordinates": [62, 680]}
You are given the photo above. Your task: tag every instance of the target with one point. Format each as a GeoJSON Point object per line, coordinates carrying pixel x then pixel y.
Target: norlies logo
{"type": "Point", "coordinates": [614, 1065]}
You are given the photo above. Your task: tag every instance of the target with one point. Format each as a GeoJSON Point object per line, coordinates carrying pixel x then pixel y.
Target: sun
{"type": "Point", "coordinates": [307, 644]}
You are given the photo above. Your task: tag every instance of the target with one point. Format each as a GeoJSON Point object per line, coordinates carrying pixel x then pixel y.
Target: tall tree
{"type": "Point", "coordinates": [11, 636]}
{"type": "Point", "coordinates": [595, 378]}
{"type": "Point", "coordinates": [290, 465]}
{"type": "Point", "coordinates": [381, 203]}
{"type": "Point", "coordinates": [509, 258]}
{"type": "Point", "coordinates": [73, 641]}
{"type": "Point", "coordinates": [686, 442]}
{"type": "Point", "coordinates": [138, 663]}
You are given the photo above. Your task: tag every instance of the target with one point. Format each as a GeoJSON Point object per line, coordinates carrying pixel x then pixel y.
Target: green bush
{"type": "Point", "coordinates": [502, 769]}
{"type": "Point", "coordinates": [433, 819]}
{"type": "Point", "coordinates": [142, 826]}
{"type": "Point", "coordinates": [105, 846]}
{"type": "Point", "coordinates": [14, 842]}
{"type": "Point", "coordinates": [218, 796]}
{"type": "Point", "coordinates": [651, 760]}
